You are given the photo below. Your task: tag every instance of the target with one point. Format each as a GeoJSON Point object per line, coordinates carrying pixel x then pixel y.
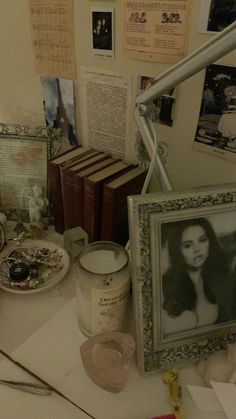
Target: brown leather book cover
{"type": "Point", "coordinates": [93, 186]}
{"type": "Point", "coordinates": [55, 184]}
{"type": "Point", "coordinates": [79, 187]}
{"type": "Point", "coordinates": [67, 186]}
{"type": "Point", "coordinates": [114, 214]}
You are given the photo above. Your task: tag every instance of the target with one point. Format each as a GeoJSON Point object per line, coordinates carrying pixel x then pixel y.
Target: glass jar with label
{"type": "Point", "coordinates": [103, 288]}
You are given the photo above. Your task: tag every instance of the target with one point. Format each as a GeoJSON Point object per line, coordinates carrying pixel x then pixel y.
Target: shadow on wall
{"type": "Point", "coordinates": [21, 116]}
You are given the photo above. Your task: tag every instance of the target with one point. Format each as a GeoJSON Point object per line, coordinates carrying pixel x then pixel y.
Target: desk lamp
{"type": "Point", "coordinates": [216, 47]}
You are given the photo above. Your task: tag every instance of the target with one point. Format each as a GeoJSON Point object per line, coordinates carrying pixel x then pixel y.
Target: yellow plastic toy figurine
{"type": "Point", "coordinates": [171, 378]}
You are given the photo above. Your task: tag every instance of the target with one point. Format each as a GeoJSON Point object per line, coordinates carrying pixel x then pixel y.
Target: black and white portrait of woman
{"type": "Point", "coordinates": [198, 275]}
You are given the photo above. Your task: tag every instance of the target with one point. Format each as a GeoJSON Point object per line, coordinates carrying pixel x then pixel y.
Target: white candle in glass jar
{"type": "Point", "coordinates": [103, 288]}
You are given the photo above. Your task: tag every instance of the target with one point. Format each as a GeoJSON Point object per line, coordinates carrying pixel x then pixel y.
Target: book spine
{"type": "Point", "coordinates": [67, 187]}
{"type": "Point", "coordinates": [107, 214]}
{"type": "Point", "coordinates": [114, 218]}
{"type": "Point", "coordinates": [56, 196]}
{"type": "Point", "coordinates": [79, 199]}
{"type": "Point", "coordinates": [91, 209]}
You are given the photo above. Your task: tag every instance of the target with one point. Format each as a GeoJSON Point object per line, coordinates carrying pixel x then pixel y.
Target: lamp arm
{"type": "Point", "coordinates": [209, 52]}
{"type": "Point", "coordinates": [216, 47]}
{"type": "Point", "coordinates": [147, 136]}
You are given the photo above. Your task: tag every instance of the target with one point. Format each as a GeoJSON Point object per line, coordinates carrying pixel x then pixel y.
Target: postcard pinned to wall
{"type": "Point", "coordinates": [59, 109]}
{"type": "Point", "coordinates": [156, 31]}
{"type": "Point", "coordinates": [102, 32]}
{"type": "Point", "coordinates": [216, 15]}
{"type": "Point", "coordinates": [216, 127]}
{"type": "Point", "coordinates": [164, 103]}
{"type": "Point", "coordinates": [52, 29]}
{"type": "Point", "coordinates": [105, 101]}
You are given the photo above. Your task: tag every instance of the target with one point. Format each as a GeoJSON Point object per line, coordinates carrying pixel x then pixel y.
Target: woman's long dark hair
{"type": "Point", "coordinates": [178, 288]}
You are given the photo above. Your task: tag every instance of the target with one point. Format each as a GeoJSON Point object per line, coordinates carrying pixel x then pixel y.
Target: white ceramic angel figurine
{"type": "Point", "coordinates": [37, 203]}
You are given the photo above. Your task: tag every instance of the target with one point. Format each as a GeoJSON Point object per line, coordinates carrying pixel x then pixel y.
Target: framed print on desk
{"type": "Point", "coordinates": [183, 257]}
{"type": "Point", "coordinates": [24, 153]}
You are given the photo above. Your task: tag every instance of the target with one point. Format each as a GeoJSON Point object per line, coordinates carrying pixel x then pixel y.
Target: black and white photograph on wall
{"type": "Point", "coordinates": [59, 108]}
{"type": "Point", "coordinates": [164, 104]}
{"type": "Point", "coordinates": [216, 15]}
{"type": "Point", "coordinates": [102, 22]}
{"type": "Point", "coordinates": [198, 270]}
{"type": "Point", "coordinates": [216, 127]}
{"type": "Point", "coordinates": [222, 14]}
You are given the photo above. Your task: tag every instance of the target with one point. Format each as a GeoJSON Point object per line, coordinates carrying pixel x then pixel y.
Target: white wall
{"type": "Point", "coordinates": [21, 100]}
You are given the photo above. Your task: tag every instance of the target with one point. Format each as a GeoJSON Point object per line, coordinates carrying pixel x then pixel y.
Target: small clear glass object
{"type": "Point", "coordinates": [107, 359]}
{"type": "Point", "coordinates": [103, 288]}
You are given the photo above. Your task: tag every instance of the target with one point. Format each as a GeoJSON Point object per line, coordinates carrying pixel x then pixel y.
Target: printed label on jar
{"type": "Point", "coordinates": [109, 309]}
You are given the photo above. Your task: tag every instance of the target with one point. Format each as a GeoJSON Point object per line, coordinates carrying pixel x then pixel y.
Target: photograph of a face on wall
{"type": "Point", "coordinates": [164, 112]}
{"type": "Point", "coordinates": [221, 14]}
{"type": "Point", "coordinates": [216, 128]}
{"type": "Point", "coordinates": [102, 33]}
{"type": "Point", "coordinates": [59, 108]}
{"type": "Point", "coordinates": [198, 273]}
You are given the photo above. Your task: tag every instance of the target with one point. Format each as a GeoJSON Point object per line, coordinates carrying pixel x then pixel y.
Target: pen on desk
{"type": "Point", "coordinates": [41, 380]}
{"type": "Point", "coordinates": [28, 387]}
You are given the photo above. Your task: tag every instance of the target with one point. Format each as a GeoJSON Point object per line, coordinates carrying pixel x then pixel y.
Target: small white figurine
{"type": "Point", "coordinates": [37, 204]}
{"type": "Point", "coordinates": [220, 366]}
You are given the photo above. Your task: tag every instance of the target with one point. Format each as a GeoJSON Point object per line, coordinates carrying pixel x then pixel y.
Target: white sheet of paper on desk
{"type": "Point", "coordinates": [205, 398]}
{"type": "Point", "coordinates": [226, 393]}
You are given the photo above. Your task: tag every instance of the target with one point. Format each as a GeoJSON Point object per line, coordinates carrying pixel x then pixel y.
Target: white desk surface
{"type": "Point", "coordinates": [21, 315]}
{"type": "Point", "coordinates": [41, 331]}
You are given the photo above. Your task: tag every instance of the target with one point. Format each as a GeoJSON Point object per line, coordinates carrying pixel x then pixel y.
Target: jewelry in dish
{"type": "Point", "coordinates": [32, 265]}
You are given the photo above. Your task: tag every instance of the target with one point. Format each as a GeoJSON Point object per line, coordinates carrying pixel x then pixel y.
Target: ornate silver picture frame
{"type": "Point", "coordinates": [24, 153]}
{"type": "Point", "coordinates": [183, 257]}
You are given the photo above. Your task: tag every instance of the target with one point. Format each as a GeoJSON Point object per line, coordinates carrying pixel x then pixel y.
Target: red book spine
{"type": "Point", "coordinates": [79, 189]}
{"type": "Point", "coordinates": [91, 209]}
{"type": "Point", "coordinates": [93, 202]}
{"type": "Point", "coordinates": [107, 217]}
{"type": "Point", "coordinates": [67, 187]}
{"type": "Point", "coordinates": [114, 213]}
{"type": "Point", "coordinates": [79, 199]}
{"type": "Point", "coordinates": [56, 196]}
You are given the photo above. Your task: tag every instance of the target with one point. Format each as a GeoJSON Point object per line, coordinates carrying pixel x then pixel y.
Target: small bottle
{"type": "Point", "coordinates": [103, 288]}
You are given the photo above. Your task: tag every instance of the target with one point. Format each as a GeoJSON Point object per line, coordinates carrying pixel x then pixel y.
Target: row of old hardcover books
{"type": "Point", "coordinates": [89, 188]}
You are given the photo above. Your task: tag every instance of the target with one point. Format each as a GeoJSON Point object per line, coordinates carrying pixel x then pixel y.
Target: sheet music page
{"type": "Point", "coordinates": [52, 30]}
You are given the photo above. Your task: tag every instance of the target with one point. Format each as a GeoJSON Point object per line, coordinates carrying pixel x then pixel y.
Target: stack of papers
{"type": "Point", "coordinates": [220, 398]}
